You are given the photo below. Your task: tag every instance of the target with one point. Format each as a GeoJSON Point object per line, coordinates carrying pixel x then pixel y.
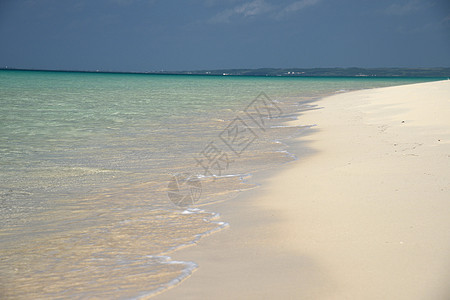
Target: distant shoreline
{"type": "Point", "coordinates": [288, 72]}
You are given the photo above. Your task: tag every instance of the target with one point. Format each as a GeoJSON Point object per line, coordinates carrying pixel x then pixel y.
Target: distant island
{"type": "Point", "coordinates": [292, 72]}
{"type": "Point", "coordinates": [324, 72]}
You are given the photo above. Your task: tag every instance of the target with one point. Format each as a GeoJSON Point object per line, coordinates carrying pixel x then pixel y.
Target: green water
{"type": "Point", "coordinates": [85, 162]}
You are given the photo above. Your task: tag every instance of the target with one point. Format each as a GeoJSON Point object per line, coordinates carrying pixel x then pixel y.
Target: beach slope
{"type": "Point", "coordinates": [363, 214]}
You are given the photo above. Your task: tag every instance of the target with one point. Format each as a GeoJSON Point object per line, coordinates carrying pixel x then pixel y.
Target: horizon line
{"type": "Point", "coordinates": [296, 72]}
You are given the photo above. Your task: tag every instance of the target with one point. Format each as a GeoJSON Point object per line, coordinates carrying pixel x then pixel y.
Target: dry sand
{"type": "Point", "coordinates": [363, 214]}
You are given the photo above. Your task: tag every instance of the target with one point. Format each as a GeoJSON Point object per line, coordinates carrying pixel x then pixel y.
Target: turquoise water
{"type": "Point", "coordinates": [86, 161]}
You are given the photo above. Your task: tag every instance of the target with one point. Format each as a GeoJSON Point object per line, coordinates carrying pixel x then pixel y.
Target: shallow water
{"type": "Point", "coordinates": [92, 166]}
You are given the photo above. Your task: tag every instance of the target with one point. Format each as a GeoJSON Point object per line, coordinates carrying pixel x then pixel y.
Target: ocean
{"type": "Point", "coordinates": [104, 175]}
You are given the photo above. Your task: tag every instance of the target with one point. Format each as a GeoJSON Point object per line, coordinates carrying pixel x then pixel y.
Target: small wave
{"type": "Point", "coordinates": [281, 117]}
{"type": "Point", "coordinates": [287, 126]}
{"type": "Point", "coordinates": [197, 237]}
{"type": "Point", "coordinates": [241, 176]}
{"type": "Point", "coordinates": [280, 143]}
{"type": "Point", "coordinates": [191, 211]}
{"type": "Point", "coordinates": [288, 154]}
{"type": "Point", "coordinates": [190, 267]}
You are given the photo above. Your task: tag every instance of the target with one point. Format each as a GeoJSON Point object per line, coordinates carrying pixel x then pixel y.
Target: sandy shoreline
{"type": "Point", "coordinates": [364, 214]}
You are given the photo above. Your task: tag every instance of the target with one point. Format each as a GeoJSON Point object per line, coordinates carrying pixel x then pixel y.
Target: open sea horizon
{"type": "Point", "coordinates": [104, 175]}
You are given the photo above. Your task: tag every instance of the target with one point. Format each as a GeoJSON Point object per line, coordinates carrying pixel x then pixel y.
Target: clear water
{"type": "Point", "coordinates": [86, 162]}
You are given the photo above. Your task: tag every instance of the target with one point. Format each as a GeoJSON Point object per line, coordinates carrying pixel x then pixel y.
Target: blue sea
{"type": "Point", "coordinates": [103, 176]}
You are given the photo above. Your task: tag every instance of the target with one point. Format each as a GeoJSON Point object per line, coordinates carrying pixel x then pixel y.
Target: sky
{"type": "Point", "coordinates": [171, 35]}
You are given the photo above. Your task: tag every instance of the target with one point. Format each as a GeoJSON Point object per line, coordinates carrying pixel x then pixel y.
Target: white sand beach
{"type": "Point", "coordinates": [363, 214]}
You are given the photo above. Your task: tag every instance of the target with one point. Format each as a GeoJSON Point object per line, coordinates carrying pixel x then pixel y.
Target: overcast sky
{"type": "Point", "coordinates": [150, 35]}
